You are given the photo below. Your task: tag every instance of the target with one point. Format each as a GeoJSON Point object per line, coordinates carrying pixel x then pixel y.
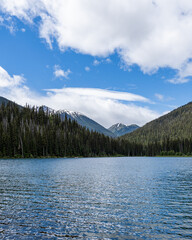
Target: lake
{"type": "Point", "coordinates": [96, 198]}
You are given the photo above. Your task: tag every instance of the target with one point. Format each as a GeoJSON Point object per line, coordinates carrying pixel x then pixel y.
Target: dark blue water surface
{"type": "Point", "coordinates": [96, 198]}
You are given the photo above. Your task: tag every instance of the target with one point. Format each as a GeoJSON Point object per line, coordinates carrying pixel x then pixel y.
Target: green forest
{"type": "Point", "coordinates": [174, 126]}
{"type": "Point", "coordinates": [33, 132]}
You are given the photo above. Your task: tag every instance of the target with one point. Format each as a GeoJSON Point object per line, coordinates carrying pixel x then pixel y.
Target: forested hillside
{"type": "Point", "coordinates": [174, 126]}
{"type": "Point", "coordinates": [34, 132]}
{"type": "Point", "coordinates": [26, 132]}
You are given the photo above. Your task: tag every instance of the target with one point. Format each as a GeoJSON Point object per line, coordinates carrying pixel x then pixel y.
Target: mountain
{"type": "Point", "coordinates": [120, 129]}
{"type": "Point", "coordinates": [4, 100]}
{"type": "Point", "coordinates": [85, 122]}
{"type": "Point", "coordinates": [38, 131]}
{"type": "Point", "coordinates": [175, 125]}
{"type": "Point", "coordinates": [78, 117]}
{"type": "Point", "coordinates": [34, 132]}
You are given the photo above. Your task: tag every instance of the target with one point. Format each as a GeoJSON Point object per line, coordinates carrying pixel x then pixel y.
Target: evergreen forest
{"type": "Point", "coordinates": [27, 132]}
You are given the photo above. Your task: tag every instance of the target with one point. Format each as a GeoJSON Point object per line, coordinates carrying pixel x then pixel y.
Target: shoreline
{"type": "Point", "coordinates": [76, 157]}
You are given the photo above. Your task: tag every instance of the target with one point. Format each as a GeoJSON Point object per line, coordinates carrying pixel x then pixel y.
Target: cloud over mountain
{"type": "Point", "coordinates": [104, 106]}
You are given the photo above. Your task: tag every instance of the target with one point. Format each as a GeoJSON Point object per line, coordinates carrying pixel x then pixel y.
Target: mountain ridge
{"type": "Point", "coordinates": [176, 124]}
{"type": "Point", "coordinates": [80, 118]}
{"type": "Point", "coordinates": [85, 121]}
{"type": "Point", "coordinates": [120, 129]}
{"type": "Point", "coordinates": [4, 100]}
{"type": "Point", "coordinates": [39, 131]}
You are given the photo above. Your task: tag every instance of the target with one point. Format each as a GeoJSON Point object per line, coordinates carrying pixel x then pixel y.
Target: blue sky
{"type": "Point", "coordinates": [112, 62]}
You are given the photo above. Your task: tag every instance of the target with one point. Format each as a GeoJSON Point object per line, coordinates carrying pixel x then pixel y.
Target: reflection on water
{"type": "Point", "coordinates": [101, 198]}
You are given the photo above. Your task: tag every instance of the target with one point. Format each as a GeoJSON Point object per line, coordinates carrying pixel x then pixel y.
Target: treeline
{"type": "Point", "coordinates": [35, 132]}
{"type": "Point", "coordinates": [167, 147]}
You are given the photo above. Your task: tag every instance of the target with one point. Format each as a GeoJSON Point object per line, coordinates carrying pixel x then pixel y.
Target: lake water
{"type": "Point", "coordinates": [96, 198]}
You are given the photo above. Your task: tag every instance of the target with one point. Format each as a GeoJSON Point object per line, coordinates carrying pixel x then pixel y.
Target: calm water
{"type": "Point", "coordinates": [96, 198]}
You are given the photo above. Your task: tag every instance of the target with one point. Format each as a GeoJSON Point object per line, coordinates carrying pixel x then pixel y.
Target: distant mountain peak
{"type": "Point", "coordinates": [120, 129]}
{"type": "Point", "coordinates": [119, 125]}
{"type": "Point", "coordinates": [71, 113]}
{"type": "Point", "coordinates": [85, 122]}
{"type": "Point", "coordinates": [46, 109]}
{"type": "Point", "coordinates": [80, 118]}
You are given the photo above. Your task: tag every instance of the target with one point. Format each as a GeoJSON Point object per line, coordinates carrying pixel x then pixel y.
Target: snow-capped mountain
{"type": "Point", "coordinates": [46, 109]}
{"type": "Point", "coordinates": [120, 129]}
{"type": "Point", "coordinates": [85, 122]}
{"type": "Point", "coordinates": [116, 130]}
{"type": "Point", "coordinates": [80, 118]}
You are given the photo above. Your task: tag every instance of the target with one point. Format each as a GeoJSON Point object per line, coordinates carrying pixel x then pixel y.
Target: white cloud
{"type": "Point", "coordinates": [102, 93]}
{"type": "Point", "coordinates": [1, 20]}
{"type": "Point", "coordinates": [14, 88]}
{"type": "Point", "coordinates": [108, 60]}
{"type": "Point", "coordinates": [96, 62]}
{"type": "Point", "coordinates": [87, 69]}
{"type": "Point", "coordinates": [105, 111]}
{"type": "Point", "coordinates": [106, 107]}
{"type": "Point", "coordinates": [183, 75]}
{"type": "Point", "coordinates": [8, 23]}
{"type": "Point", "coordinates": [163, 98]}
{"type": "Point", "coordinates": [58, 72]}
{"type": "Point", "coordinates": [159, 96]}
{"type": "Point", "coordinates": [7, 81]}
{"type": "Point", "coordinates": [178, 80]}
{"type": "Point", "coordinates": [151, 34]}
{"type": "Point", "coordinates": [186, 70]}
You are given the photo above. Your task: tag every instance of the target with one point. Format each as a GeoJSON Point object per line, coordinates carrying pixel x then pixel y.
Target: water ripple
{"type": "Point", "coordinates": [102, 198]}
